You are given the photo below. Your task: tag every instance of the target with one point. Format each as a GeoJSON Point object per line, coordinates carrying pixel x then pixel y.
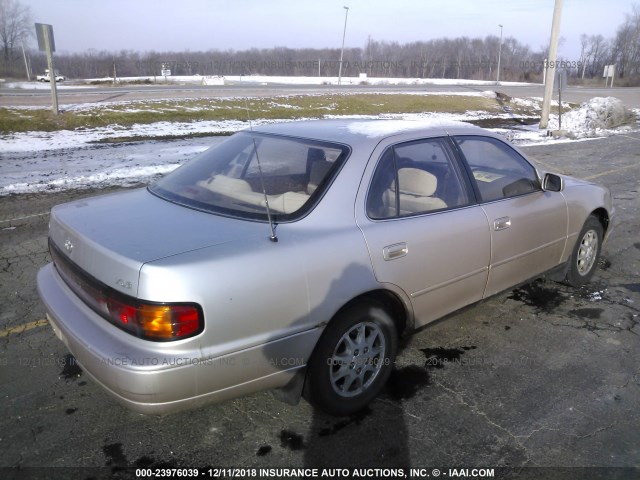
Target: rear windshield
{"type": "Point", "coordinates": [239, 175]}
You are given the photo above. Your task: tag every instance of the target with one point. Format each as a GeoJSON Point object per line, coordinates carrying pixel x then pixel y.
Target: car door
{"type": "Point", "coordinates": [424, 232]}
{"type": "Point", "coordinates": [528, 225]}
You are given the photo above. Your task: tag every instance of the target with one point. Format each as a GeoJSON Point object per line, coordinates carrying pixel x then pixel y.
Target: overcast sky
{"type": "Point", "coordinates": [178, 25]}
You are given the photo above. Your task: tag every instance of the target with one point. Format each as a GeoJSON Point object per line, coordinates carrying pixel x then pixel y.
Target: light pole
{"type": "Point", "coordinates": [499, 55]}
{"type": "Point", "coordinates": [344, 33]}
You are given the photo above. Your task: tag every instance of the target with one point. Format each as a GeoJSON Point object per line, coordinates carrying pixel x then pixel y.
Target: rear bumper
{"type": "Point", "coordinates": [157, 378]}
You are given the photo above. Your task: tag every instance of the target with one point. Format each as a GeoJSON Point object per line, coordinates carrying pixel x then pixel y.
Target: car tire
{"type": "Point", "coordinates": [352, 360]}
{"type": "Point", "coordinates": [585, 255]}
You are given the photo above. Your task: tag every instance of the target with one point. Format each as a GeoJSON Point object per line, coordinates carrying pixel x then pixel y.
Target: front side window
{"type": "Point", "coordinates": [498, 170]}
{"type": "Point", "coordinates": [232, 178]}
{"type": "Point", "coordinates": [414, 178]}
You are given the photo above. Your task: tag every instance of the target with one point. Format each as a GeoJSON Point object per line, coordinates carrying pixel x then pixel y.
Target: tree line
{"type": "Point", "coordinates": [457, 58]}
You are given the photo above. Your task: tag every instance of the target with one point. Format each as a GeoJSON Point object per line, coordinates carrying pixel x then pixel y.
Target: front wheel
{"type": "Point", "coordinates": [584, 258]}
{"type": "Point", "coordinates": [353, 359]}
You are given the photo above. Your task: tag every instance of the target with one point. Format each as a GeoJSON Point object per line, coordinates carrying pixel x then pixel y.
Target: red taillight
{"type": "Point", "coordinates": [148, 320]}
{"type": "Point", "coordinates": [156, 321]}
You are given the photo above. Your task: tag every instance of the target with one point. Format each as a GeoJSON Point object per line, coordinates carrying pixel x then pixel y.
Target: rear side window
{"type": "Point", "coordinates": [414, 178]}
{"type": "Point", "coordinates": [498, 170]}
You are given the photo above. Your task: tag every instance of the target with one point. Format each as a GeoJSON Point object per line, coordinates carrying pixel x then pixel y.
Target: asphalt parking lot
{"type": "Point", "coordinates": [541, 376]}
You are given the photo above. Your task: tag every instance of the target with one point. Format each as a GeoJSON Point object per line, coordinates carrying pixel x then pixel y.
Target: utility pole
{"type": "Point", "coordinates": [551, 63]}
{"type": "Point", "coordinates": [344, 33]}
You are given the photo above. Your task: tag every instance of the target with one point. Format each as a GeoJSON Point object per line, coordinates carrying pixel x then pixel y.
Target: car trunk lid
{"type": "Point", "coordinates": [112, 236]}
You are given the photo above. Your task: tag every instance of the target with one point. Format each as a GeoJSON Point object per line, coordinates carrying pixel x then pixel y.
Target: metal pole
{"type": "Point", "coordinates": [344, 33]}
{"type": "Point", "coordinates": [26, 64]}
{"type": "Point", "coordinates": [499, 55]}
{"type": "Point", "coordinates": [553, 51]}
{"type": "Point", "coordinates": [560, 102]}
{"type": "Point", "coordinates": [52, 73]}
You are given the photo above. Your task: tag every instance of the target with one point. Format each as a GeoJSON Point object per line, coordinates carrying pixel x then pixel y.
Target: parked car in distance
{"type": "Point", "coordinates": [292, 257]}
{"type": "Point", "coordinates": [47, 78]}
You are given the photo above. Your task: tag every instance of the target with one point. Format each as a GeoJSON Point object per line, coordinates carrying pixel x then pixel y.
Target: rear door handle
{"type": "Point", "coordinates": [397, 250]}
{"type": "Point", "coordinates": [501, 223]}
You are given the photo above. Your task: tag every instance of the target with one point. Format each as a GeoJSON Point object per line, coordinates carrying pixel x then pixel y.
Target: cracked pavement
{"type": "Point", "coordinates": [544, 375]}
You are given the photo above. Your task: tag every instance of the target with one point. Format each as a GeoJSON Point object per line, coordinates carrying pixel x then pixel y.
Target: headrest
{"type": "Point", "coordinates": [414, 181]}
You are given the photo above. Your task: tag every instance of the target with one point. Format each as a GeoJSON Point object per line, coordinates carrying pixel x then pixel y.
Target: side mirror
{"type": "Point", "coordinates": [552, 183]}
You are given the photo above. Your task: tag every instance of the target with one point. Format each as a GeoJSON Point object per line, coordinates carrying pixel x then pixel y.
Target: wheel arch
{"type": "Point", "coordinates": [603, 217]}
{"type": "Point", "coordinates": [395, 306]}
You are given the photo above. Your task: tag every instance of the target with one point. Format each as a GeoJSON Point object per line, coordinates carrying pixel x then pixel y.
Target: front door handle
{"type": "Point", "coordinates": [501, 223]}
{"type": "Point", "coordinates": [397, 250]}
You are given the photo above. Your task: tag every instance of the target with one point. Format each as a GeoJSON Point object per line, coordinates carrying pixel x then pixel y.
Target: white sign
{"type": "Point", "coordinates": [609, 71]}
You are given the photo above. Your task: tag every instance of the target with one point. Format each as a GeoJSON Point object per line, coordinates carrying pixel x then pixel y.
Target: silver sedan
{"type": "Point", "coordinates": [292, 256]}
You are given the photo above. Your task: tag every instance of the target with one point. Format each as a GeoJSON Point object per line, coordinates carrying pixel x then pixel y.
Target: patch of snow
{"type": "Point", "coordinates": [595, 118]}
{"type": "Point", "coordinates": [41, 141]}
{"type": "Point", "coordinates": [268, 79]}
{"type": "Point", "coordinates": [95, 166]}
{"type": "Point", "coordinates": [41, 86]}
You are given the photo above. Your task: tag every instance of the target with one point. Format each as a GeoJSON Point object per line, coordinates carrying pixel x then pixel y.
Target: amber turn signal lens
{"type": "Point", "coordinates": [168, 321]}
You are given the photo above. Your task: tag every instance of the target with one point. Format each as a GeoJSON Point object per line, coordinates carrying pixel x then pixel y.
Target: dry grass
{"type": "Point", "coordinates": [287, 108]}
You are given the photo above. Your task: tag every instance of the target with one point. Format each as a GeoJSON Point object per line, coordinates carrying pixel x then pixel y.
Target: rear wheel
{"type": "Point", "coordinates": [353, 359]}
{"type": "Point", "coordinates": [584, 258]}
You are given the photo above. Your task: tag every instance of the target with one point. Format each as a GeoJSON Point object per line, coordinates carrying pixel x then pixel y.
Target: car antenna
{"type": "Point", "coordinates": [273, 236]}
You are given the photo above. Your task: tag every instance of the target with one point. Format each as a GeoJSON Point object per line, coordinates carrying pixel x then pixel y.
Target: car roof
{"type": "Point", "coordinates": [358, 130]}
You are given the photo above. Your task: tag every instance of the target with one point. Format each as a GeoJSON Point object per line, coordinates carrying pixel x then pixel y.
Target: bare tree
{"type": "Point", "coordinates": [626, 46]}
{"type": "Point", "coordinates": [15, 26]}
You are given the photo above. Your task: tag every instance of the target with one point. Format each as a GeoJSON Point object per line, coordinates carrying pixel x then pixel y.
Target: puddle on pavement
{"type": "Point", "coordinates": [439, 357]}
{"type": "Point", "coordinates": [632, 287]}
{"type": "Point", "coordinates": [405, 382]}
{"type": "Point", "coordinates": [114, 454]}
{"type": "Point", "coordinates": [590, 313]}
{"type": "Point", "coordinates": [355, 419]}
{"type": "Point", "coordinates": [291, 440]}
{"type": "Point", "coordinates": [538, 296]}
{"type": "Point", "coordinates": [263, 450]}
{"type": "Point", "coordinates": [71, 369]}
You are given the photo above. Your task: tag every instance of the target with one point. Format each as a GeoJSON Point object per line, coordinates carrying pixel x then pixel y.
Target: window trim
{"type": "Point", "coordinates": [469, 171]}
{"type": "Point", "coordinates": [455, 162]}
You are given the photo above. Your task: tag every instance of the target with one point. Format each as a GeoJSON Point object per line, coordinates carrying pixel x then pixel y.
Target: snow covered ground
{"type": "Point", "coordinates": [52, 161]}
{"type": "Point", "coordinates": [265, 79]}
